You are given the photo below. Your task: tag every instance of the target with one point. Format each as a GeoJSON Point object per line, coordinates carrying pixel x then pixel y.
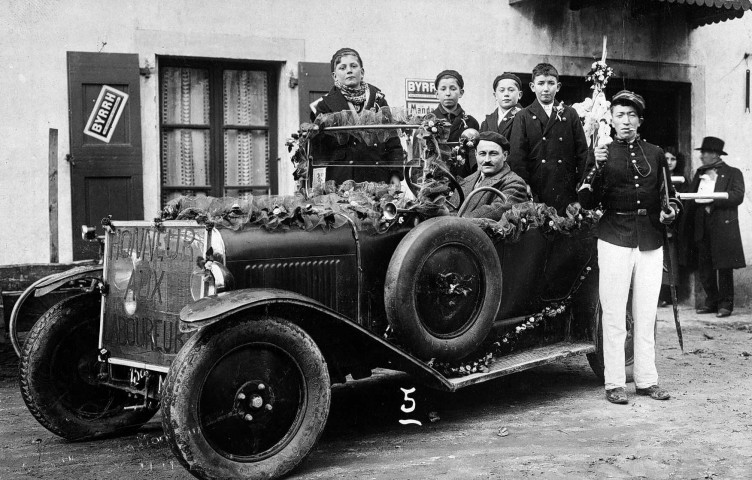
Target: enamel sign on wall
{"type": "Point", "coordinates": [107, 110]}
{"type": "Point", "coordinates": [420, 96]}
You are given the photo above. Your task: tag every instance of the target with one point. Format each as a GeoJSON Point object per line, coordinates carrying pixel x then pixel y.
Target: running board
{"type": "Point", "coordinates": [517, 362]}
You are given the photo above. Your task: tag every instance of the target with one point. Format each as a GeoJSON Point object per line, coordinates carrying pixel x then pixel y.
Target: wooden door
{"type": "Point", "coordinates": [106, 178]}
{"type": "Point", "coordinates": [315, 82]}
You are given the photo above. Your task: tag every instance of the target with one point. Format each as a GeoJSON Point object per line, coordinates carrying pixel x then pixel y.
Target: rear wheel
{"type": "Point", "coordinates": [596, 359]}
{"type": "Point", "coordinates": [246, 400]}
{"type": "Point", "coordinates": [58, 375]}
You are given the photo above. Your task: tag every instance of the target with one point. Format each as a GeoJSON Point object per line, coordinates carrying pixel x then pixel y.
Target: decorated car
{"type": "Point", "coordinates": [236, 316]}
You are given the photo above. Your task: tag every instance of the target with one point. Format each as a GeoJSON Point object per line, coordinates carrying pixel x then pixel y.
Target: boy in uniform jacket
{"type": "Point", "coordinates": [548, 144]}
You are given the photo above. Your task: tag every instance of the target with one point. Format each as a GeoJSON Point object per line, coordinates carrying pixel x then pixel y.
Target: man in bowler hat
{"type": "Point", "coordinates": [714, 226]}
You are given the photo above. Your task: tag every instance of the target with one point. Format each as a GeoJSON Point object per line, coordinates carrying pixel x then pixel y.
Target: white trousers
{"type": "Point", "coordinates": [618, 268]}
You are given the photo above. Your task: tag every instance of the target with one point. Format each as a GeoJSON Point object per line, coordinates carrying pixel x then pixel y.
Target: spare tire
{"type": "Point", "coordinates": [443, 288]}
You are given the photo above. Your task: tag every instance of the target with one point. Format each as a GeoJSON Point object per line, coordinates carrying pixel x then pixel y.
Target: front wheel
{"type": "Point", "coordinates": [246, 400]}
{"type": "Point", "coordinates": [58, 375]}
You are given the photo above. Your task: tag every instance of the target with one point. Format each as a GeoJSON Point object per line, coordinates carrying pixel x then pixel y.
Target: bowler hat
{"type": "Point", "coordinates": [712, 144]}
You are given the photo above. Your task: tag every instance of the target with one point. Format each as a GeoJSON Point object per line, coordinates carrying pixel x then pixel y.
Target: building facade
{"type": "Point", "coordinates": [215, 88]}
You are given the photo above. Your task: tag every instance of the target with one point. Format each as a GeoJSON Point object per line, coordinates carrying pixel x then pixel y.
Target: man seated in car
{"type": "Point", "coordinates": [493, 171]}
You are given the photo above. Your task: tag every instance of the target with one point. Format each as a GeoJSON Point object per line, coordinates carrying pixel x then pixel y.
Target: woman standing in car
{"type": "Point", "coordinates": [351, 93]}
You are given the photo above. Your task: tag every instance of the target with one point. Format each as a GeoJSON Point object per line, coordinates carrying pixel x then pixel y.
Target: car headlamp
{"type": "Point", "coordinates": [213, 279]}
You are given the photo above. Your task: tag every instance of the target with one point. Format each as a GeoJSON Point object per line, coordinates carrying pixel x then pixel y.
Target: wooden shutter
{"type": "Point", "coordinates": [315, 82]}
{"type": "Point", "coordinates": [106, 178]}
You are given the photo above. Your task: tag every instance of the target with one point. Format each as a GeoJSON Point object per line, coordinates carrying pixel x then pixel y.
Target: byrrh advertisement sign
{"type": "Point", "coordinates": [420, 96]}
{"type": "Point", "coordinates": [107, 110]}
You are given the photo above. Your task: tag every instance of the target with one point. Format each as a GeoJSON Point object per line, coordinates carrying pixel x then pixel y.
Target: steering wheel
{"type": "Point", "coordinates": [453, 183]}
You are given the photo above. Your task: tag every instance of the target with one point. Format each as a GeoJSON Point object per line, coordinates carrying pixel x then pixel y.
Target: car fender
{"type": "Point", "coordinates": [55, 281]}
{"type": "Point", "coordinates": [42, 287]}
{"type": "Point", "coordinates": [210, 310]}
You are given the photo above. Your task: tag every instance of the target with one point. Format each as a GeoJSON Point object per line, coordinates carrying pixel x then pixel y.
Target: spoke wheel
{"type": "Point", "coordinates": [58, 375]}
{"type": "Point", "coordinates": [246, 399]}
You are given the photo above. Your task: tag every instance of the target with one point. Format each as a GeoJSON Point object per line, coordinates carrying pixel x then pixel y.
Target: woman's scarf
{"type": "Point", "coordinates": [354, 95]}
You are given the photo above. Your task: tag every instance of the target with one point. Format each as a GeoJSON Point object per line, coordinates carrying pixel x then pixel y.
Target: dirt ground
{"type": "Point", "coordinates": [550, 422]}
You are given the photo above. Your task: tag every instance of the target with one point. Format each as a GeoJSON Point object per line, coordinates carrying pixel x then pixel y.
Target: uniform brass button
{"type": "Point", "coordinates": [631, 147]}
{"type": "Point", "coordinates": [632, 154]}
{"type": "Point", "coordinates": [638, 202]}
{"type": "Point", "coordinates": [635, 177]}
{"type": "Point", "coordinates": [544, 139]}
{"type": "Point", "coordinates": [543, 161]}
{"type": "Point", "coordinates": [634, 161]}
{"type": "Point", "coordinates": [559, 161]}
{"type": "Point", "coordinates": [534, 117]}
{"type": "Point", "coordinates": [561, 139]}
{"type": "Point", "coordinates": [637, 185]}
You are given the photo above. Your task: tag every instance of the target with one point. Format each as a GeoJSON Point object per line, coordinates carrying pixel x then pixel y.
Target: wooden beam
{"type": "Point", "coordinates": [53, 214]}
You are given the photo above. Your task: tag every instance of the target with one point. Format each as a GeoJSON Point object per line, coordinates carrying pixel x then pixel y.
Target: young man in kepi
{"type": "Point", "coordinates": [507, 91]}
{"type": "Point", "coordinates": [548, 144]}
{"type": "Point", "coordinates": [627, 185]}
{"type": "Point", "coordinates": [449, 89]}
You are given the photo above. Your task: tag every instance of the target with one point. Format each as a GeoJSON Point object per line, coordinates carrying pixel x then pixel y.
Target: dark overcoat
{"type": "Point", "coordinates": [488, 204]}
{"type": "Point", "coordinates": [723, 232]}
{"type": "Point", "coordinates": [327, 148]}
{"type": "Point", "coordinates": [492, 124]}
{"type": "Point", "coordinates": [549, 153]}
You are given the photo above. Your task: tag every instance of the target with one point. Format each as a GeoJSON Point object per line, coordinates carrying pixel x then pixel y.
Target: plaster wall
{"type": "Point", "coordinates": [721, 47]}
{"type": "Point", "coordinates": [397, 40]}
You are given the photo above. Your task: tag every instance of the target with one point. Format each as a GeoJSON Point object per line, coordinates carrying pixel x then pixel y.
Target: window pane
{"type": "Point", "coordinates": [246, 155]}
{"type": "Point", "coordinates": [185, 157]}
{"type": "Point", "coordinates": [185, 96]}
{"type": "Point", "coordinates": [245, 98]}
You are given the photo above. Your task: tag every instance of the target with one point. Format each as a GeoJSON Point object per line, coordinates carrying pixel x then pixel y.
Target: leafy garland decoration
{"type": "Point", "coordinates": [482, 359]}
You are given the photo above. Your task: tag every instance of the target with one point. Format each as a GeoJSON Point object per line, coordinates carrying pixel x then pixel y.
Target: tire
{"type": "Point", "coordinates": [271, 362]}
{"type": "Point", "coordinates": [596, 359]}
{"type": "Point", "coordinates": [443, 288]}
{"type": "Point", "coordinates": [58, 375]}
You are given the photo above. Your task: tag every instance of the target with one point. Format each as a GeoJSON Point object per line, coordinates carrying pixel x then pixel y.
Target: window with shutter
{"type": "Point", "coordinates": [218, 128]}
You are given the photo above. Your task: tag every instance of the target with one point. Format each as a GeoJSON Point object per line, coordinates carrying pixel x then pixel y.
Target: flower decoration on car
{"type": "Point", "coordinates": [509, 341]}
{"type": "Point", "coordinates": [298, 146]}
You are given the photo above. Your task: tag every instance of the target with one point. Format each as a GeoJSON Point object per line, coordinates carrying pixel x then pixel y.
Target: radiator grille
{"type": "Point", "coordinates": [314, 278]}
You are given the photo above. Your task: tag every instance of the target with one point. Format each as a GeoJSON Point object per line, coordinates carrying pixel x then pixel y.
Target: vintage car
{"type": "Point", "coordinates": [237, 323]}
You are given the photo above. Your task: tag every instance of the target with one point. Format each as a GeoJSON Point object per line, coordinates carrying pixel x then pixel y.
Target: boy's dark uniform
{"type": "Point", "coordinates": [549, 153]}
{"type": "Point", "coordinates": [492, 124]}
{"type": "Point", "coordinates": [460, 122]}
